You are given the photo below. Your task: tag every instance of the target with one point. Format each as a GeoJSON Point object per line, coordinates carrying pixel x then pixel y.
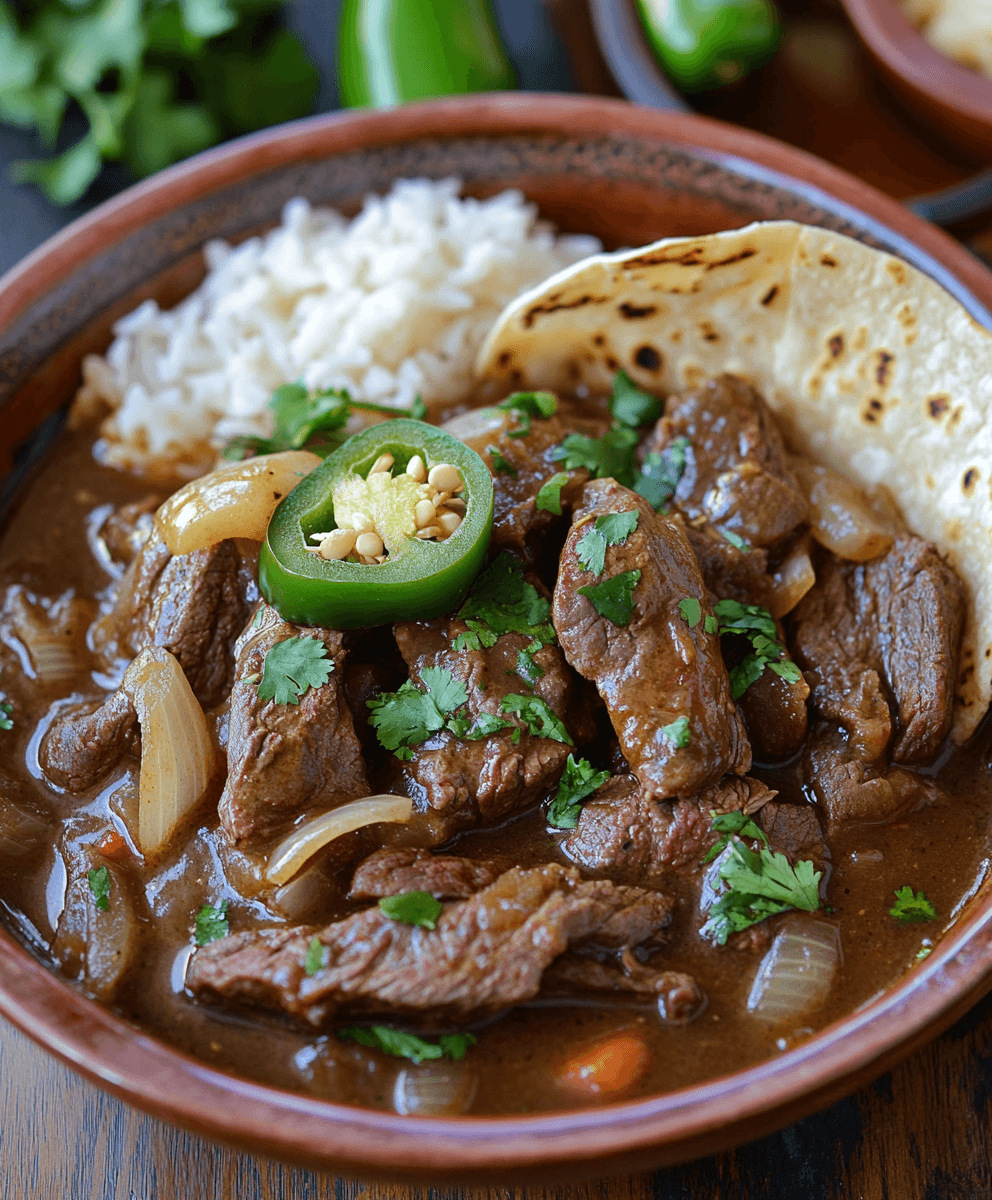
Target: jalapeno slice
{"type": "Point", "coordinates": [418, 577]}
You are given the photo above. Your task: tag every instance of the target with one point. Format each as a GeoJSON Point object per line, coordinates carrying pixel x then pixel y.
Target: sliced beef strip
{"type": "Point", "coordinates": [679, 996]}
{"type": "Point", "coordinates": [656, 669]}
{"type": "Point", "coordinates": [287, 759]}
{"type": "Point", "coordinates": [86, 741]}
{"type": "Point", "coordinates": [395, 870]}
{"type": "Point", "coordinates": [457, 783]}
{"type": "Point", "coordinates": [736, 472]}
{"type": "Point", "coordinates": [879, 633]}
{"type": "Point", "coordinates": [193, 605]}
{"type": "Point", "coordinates": [487, 953]}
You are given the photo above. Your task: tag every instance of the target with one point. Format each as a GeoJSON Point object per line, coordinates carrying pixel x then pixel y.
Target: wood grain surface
{"type": "Point", "coordinates": [922, 1132]}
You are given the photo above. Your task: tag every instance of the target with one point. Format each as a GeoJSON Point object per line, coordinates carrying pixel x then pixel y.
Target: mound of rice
{"type": "Point", "coordinates": [392, 303]}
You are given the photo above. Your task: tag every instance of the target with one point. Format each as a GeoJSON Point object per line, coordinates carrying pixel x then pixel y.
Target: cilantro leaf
{"type": "Point", "coordinates": [612, 529]}
{"type": "Point", "coordinates": [539, 718]}
{"type": "Point", "coordinates": [408, 1045]}
{"type": "Point", "coordinates": [609, 456]}
{"type": "Point", "coordinates": [447, 692]}
{"type": "Point", "coordinates": [527, 668]}
{"type": "Point", "coordinates": [316, 958]}
{"type": "Point", "coordinates": [412, 908]}
{"type": "Point", "coordinates": [483, 726]}
{"type": "Point", "coordinates": [500, 465]}
{"type": "Point", "coordinates": [691, 611]}
{"type": "Point", "coordinates": [629, 405]}
{"type": "Point", "coordinates": [661, 473]}
{"type": "Point", "coordinates": [292, 667]}
{"type": "Point", "coordinates": [99, 881]}
{"type": "Point", "coordinates": [749, 670]}
{"type": "Point", "coordinates": [211, 923]}
{"type": "Point", "coordinates": [678, 732]}
{"type": "Point", "coordinates": [549, 497]}
{"type": "Point", "coordinates": [524, 405]}
{"type": "Point", "coordinates": [409, 716]}
{"type": "Point", "coordinates": [758, 625]}
{"type": "Point", "coordinates": [579, 780]}
{"type": "Point", "coordinates": [6, 717]}
{"type": "Point", "coordinates": [908, 907]}
{"type": "Point", "coordinates": [735, 540]}
{"type": "Point", "coordinates": [614, 598]}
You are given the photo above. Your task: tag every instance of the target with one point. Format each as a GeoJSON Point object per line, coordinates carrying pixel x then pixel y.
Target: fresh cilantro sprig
{"type": "Point", "coordinates": [407, 717]}
{"type": "Point", "coordinates": [909, 907]}
{"type": "Point", "coordinates": [691, 611]}
{"type": "Point", "coordinates": [316, 958]}
{"type": "Point", "coordinates": [612, 455]}
{"type": "Point", "coordinates": [409, 1045]}
{"type": "Point", "coordinates": [661, 474]}
{"type": "Point", "coordinates": [751, 885]}
{"type": "Point", "coordinates": [579, 780]}
{"type": "Point", "coordinates": [548, 498]}
{"type": "Point", "coordinates": [612, 529]}
{"type": "Point", "coordinates": [211, 923]}
{"type": "Point", "coordinates": [99, 881]}
{"type": "Point", "coordinates": [538, 717]}
{"type": "Point", "coordinates": [735, 540]}
{"type": "Point", "coordinates": [525, 405]}
{"type": "Point", "coordinates": [314, 419]}
{"type": "Point", "coordinates": [412, 908]}
{"type": "Point", "coordinates": [292, 667]}
{"type": "Point", "coordinates": [6, 715]}
{"type": "Point", "coordinates": [758, 625]}
{"type": "Point", "coordinates": [678, 732]}
{"type": "Point", "coordinates": [500, 464]}
{"type": "Point", "coordinates": [630, 406]}
{"type": "Point", "coordinates": [614, 598]}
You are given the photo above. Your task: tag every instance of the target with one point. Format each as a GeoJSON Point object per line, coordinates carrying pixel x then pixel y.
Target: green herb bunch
{"type": "Point", "coordinates": [153, 80]}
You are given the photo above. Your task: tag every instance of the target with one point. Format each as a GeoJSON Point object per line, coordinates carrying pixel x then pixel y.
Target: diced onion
{"type": "Point", "coordinates": [290, 855]}
{"type": "Point", "coordinates": [53, 659]}
{"type": "Point", "coordinates": [841, 517]}
{"type": "Point", "coordinates": [434, 1091]}
{"type": "Point", "coordinates": [235, 501]}
{"type": "Point", "coordinates": [177, 755]}
{"type": "Point", "coordinates": [796, 973]}
{"type": "Point", "coordinates": [792, 580]}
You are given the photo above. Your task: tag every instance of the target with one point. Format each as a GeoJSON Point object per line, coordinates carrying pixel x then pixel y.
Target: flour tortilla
{"type": "Point", "coordinates": [871, 366]}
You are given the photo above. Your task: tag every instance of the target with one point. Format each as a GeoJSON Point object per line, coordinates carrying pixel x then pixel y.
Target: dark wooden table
{"type": "Point", "coordinates": [923, 1132]}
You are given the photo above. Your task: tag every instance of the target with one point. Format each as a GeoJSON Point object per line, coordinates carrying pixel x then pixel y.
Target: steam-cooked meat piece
{"type": "Point", "coordinates": [464, 782]}
{"type": "Point", "coordinates": [487, 952]}
{"type": "Point", "coordinates": [657, 668]}
{"type": "Point", "coordinates": [775, 713]}
{"type": "Point", "coordinates": [627, 834]}
{"type": "Point", "coordinates": [193, 605]}
{"type": "Point", "coordinates": [881, 634]}
{"type": "Point", "coordinates": [86, 741]}
{"type": "Point", "coordinates": [679, 996]}
{"type": "Point", "coordinates": [728, 572]}
{"type": "Point", "coordinates": [124, 531]}
{"type": "Point", "coordinates": [286, 759]}
{"type": "Point", "coordinates": [395, 870]}
{"type": "Point", "coordinates": [735, 473]}
{"type": "Point", "coordinates": [794, 830]}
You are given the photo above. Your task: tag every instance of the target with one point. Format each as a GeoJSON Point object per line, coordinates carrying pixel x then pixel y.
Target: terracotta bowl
{"type": "Point", "coordinates": [952, 100]}
{"type": "Point", "coordinates": [628, 174]}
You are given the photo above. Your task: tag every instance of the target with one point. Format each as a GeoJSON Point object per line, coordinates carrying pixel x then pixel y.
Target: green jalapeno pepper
{"type": "Point", "coordinates": [704, 44]}
{"type": "Point", "coordinates": [417, 578]}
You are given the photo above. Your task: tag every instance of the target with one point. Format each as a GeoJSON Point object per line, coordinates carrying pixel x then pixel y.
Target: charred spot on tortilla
{"type": "Point", "coordinates": [828, 260]}
{"type": "Point", "coordinates": [882, 368]}
{"type": "Point", "coordinates": [648, 358]}
{"type": "Point", "coordinates": [612, 363]}
{"type": "Point", "coordinates": [896, 270]}
{"type": "Point", "coordinates": [599, 340]}
{"type": "Point", "coordinates": [770, 295]}
{"type": "Point", "coordinates": [505, 358]}
{"type": "Point", "coordinates": [835, 344]}
{"type": "Point", "coordinates": [969, 479]}
{"type": "Point", "coordinates": [708, 332]}
{"type": "Point", "coordinates": [553, 305]}
{"type": "Point", "coordinates": [634, 312]}
{"type": "Point", "coordinates": [740, 256]}
{"type": "Point", "coordinates": [874, 410]}
{"type": "Point", "coordinates": [938, 405]}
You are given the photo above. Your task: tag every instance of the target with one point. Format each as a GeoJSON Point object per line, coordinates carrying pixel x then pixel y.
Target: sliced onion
{"type": "Point", "coordinates": [290, 855]}
{"type": "Point", "coordinates": [434, 1091]}
{"type": "Point", "coordinates": [53, 633]}
{"type": "Point", "coordinates": [792, 580]}
{"type": "Point", "coordinates": [177, 755]}
{"type": "Point", "coordinates": [796, 973]}
{"type": "Point", "coordinates": [23, 825]}
{"type": "Point", "coordinates": [478, 423]}
{"type": "Point", "coordinates": [306, 897]}
{"type": "Point", "coordinates": [840, 516]}
{"type": "Point", "coordinates": [235, 501]}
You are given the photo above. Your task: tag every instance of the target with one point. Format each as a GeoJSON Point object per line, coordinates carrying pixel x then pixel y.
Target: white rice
{"type": "Point", "coordinates": [392, 303]}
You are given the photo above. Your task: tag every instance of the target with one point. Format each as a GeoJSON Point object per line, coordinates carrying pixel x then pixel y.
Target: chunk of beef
{"type": "Point", "coordinates": [627, 834]}
{"type": "Point", "coordinates": [729, 572]}
{"type": "Point", "coordinates": [776, 716]}
{"type": "Point", "coordinates": [193, 605]}
{"type": "Point", "coordinates": [736, 472]}
{"type": "Point", "coordinates": [287, 759]}
{"type": "Point", "coordinates": [458, 783]}
{"type": "Point", "coordinates": [123, 532]}
{"type": "Point", "coordinates": [86, 741]}
{"type": "Point", "coordinates": [879, 634]}
{"type": "Point", "coordinates": [679, 996]}
{"type": "Point", "coordinates": [658, 668]}
{"type": "Point", "coordinates": [517, 521]}
{"type": "Point", "coordinates": [395, 870]}
{"type": "Point", "coordinates": [487, 953]}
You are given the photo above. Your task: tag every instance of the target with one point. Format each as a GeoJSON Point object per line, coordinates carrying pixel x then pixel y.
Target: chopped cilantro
{"type": "Point", "coordinates": [678, 732]}
{"type": "Point", "coordinates": [484, 725]}
{"type": "Point", "coordinates": [691, 611]}
{"type": "Point", "coordinates": [99, 881]}
{"type": "Point", "coordinates": [578, 782]}
{"type": "Point", "coordinates": [549, 497]}
{"type": "Point", "coordinates": [751, 885]}
{"type": "Point", "coordinates": [614, 598]}
{"type": "Point", "coordinates": [211, 923]}
{"type": "Point", "coordinates": [661, 473]}
{"type": "Point", "coordinates": [630, 406]}
{"type": "Point", "coordinates": [539, 718]}
{"type": "Point", "coordinates": [524, 405]}
{"type": "Point", "coordinates": [924, 952]}
{"type": "Point", "coordinates": [292, 667]}
{"type": "Point", "coordinates": [6, 718]}
{"type": "Point", "coordinates": [412, 908]}
{"type": "Point", "coordinates": [612, 529]}
{"type": "Point", "coordinates": [735, 540]}
{"type": "Point", "coordinates": [527, 668]}
{"type": "Point", "coordinates": [500, 465]}
{"type": "Point", "coordinates": [409, 716]}
{"type": "Point", "coordinates": [908, 907]}
{"type": "Point", "coordinates": [758, 625]}
{"type": "Point", "coordinates": [711, 625]}
{"type": "Point", "coordinates": [409, 1045]}
{"type": "Point", "coordinates": [316, 958]}
{"type": "Point", "coordinates": [609, 456]}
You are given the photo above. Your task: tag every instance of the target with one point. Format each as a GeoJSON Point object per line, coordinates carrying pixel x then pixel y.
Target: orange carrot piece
{"type": "Point", "coordinates": [114, 847]}
{"type": "Point", "coordinates": [606, 1066]}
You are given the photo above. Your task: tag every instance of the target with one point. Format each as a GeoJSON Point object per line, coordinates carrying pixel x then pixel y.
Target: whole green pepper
{"type": "Point", "coordinates": [395, 50]}
{"type": "Point", "coordinates": [417, 580]}
{"type": "Point", "coordinates": [704, 44]}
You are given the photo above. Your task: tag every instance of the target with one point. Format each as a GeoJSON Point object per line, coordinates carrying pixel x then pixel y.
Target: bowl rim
{"type": "Point", "coordinates": [632, 1135]}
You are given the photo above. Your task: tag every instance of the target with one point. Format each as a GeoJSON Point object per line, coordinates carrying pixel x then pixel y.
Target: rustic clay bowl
{"type": "Point", "coordinates": [952, 100]}
{"type": "Point", "coordinates": [629, 175]}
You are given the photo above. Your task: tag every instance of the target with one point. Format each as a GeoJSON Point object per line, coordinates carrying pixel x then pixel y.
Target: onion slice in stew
{"type": "Point", "coordinates": [792, 580]}
{"type": "Point", "coordinates": [235, 501]}
{"type": "Point", "coordinates": [303, 843]}
{"type": "Point", "coordinates": [177, 755]}
{"type": "Point", "coordinates": [433, 1090]}
{"type": "Point", "coordinates": [841, 517]}
{"type": "Point", "coordinates": [796, 973]}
